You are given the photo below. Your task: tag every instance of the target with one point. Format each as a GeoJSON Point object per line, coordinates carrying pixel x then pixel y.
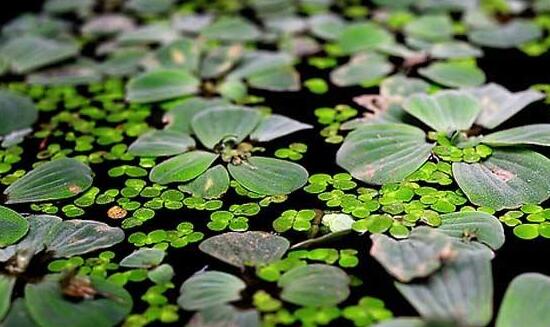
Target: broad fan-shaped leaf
{"type": "Point", "coordinates": [536, 134]}
{"type": "Point", "coordinates": [148, 7]}
{"type": "Point", "coordinates": [461, 292]}
{"type": "Point", "coordinates": [245, 249]}
{"type": "Point", "coordinates": [220, 60]}
{"type": "Point", "coordinates": [510, 35]}
{"type": "Point", "coordinates": [19, 316]}
{"type": "Point", "coordinates": [508, 179]}
{"type": "Point", "coordinates": [17, 112]}
{"type": "Point", "coordinates": [384, 153]}
{"type": "Point", "coordinates": [211, 184]}
{"type": "Point", "coordinates": [454, 74]}
{"type": "Point", "coordinates": [454, 50]}
{"type": "Point", "coordinates": [143, 258]}
{"type": "Point", "coordinates": [209, 289]}
{"type": "Point", "coordinates": [12, 226]}
{"type": "Point", "coordinates": [161, 143]}
{"type": "Point", "coordinates": [326, 26]}
{"type": "Point", "coordinates": [363, 36]}
{"type": "Point", "coordinates": [417, 256]}
{"type": "Point", "coordinates": [106, 24]}
{"type": "Point", "coordinates": [6, 288]}
{"type": "Point", "coordinates": [431, 28]}
{"type": "Point", "coordinates": [315, 285]}
{"type": "Point", "coordinates": [47, 304]}
{"type": "Point", "coordinates": [148, 34]}
{"type": "Point", "coordinates": [447, 111]}
{"type": "Point", "coordinates": [231, 29]}
{"type": "Point", "coordinates": [479, 226]}
{"type": "Point", "coordinates": [180, 117]}
{"type": "Point", "coordinates": [276, 79]}
{"type": "Point", "coordinates": [79, 73]}
{"type": "Point", "coordinates": [27, 53]}
{"type": "Point", "coordinates": [275, 126]}
{"type": "Point", "coordinates": [362, 68]}
{"type": "Point", "coordinates": [409, 322]}
{"type": "Point", "coordinates": [498, 104]}
{"type": "Point", "coordinates": [54, 180]}
{"type": "Point", "coordinates": [161, 84]}
{"type": "Point", "coordinates": [526, 302]}
{"type": "Point", "coordinates": [183, 53]}
{"type": "Point", "coordinates": [213, 126]}
{"type": "Point", "coordinates": [182, 168]}
{"type": "Point", "coordinates": [269, 176]}
{"type": "Point", "coordinates": [225, 316]}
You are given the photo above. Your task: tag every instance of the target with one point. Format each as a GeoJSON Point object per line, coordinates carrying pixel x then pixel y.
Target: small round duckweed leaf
{"type": "Point", "coordinates": [536, 134]}
{"type": "Point", "coordinates": [527, 231]}
{"type": "Point", "coordinates": [275, 126]}
{"type": "Point", "coordinates": [161, 84]}
{"type": "Point", "coordinates": [246, 249]}
{"type": "Point", "coordinates": [506, 180]}
{"type": "Point", "coordinates": [526, 302]}
{"type": "Point", "coordinates": [210, 185]}
{"type": "Point", "coordinates": [209, 289]}
{"type": "Point", "coordinates": [12, 226]}
{"type": "Point", "coordinates": [447, 111]}
{"type": "Point", "coordinates": [510, 35]}
{"type": "Point", "coordinates": [384, 153]}
{"type": "Point", "coordinates": [6, 288]}
{"type": "Point", "coordinates": [17, 112]}
{"type": "Point", "coordinates": [269, 176]}
{"type": "Point", "coordinates": [143, 258]}
{"type": "Point", "coordinates": [47, 304]}
{"type": "Point", "coordinates": [315, 285]}
{"type": "Point", "coordinates": [454, 74]}
{"type": "Point", "coordinates": [473, 225]}
{"type": "Point", "coordinates": [182, 168]}
{"type": "Point", "coordinates": [161, 143]}
{"type": "Point", "coordinates": [215, 125]}
{"type": "Point", "coordinates": [54, 180]}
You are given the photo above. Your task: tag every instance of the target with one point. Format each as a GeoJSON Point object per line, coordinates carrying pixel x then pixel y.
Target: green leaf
{"type": "Point", "coordinates": [210, 185]}
{"type": "Point", "coordinates": [454, 50]}
{"type": "Point", "coordinates": [447, 111]}
{"type": "Point", "coordinates": [7, 284]}
{"type": "Point", "coordinates": [215, 125]}
{"type": "Point", "coordinates": [143, 258]}
{"type": "Point", "coordinates": [431, 28]}
{"type": "Point", "coordinates": [269, 176]}
{"type": "Point", "coordinates": [498, 104]}
{"type": "Point", "coordinates": [146, 34]}
{"type": "Point", "coordinates": [179, 118]}
{"type": "Point", "coordinates": [409, 322]}
{"type": "Point", "coordinates": [454, 74]}
{"type": "Point", "coordinates": [47, 304]}
{"type": "Point", "coordinates": [277, 79]}
{"type": "Point", "coordinates": [275, 126]}
{"type": "Point", "coordinates": [417, 256]}
{"type": "Point", "coordinates": [161, 84]}
{"type": "Point", "coordinates": [79, 73]}
{"type": "Point", "coordinates": [462, 291]}
{"type": "Point", "coordinates": [209, 289]}
{"type": "Point", "coordinates": [27, 53]}
{"type": "Point", "coordinates": [363, 36]}
{"type": "Point", "coordinates": [182, 168]}
{"type": "Point", "coordinates": [183, 53]}
{"type": "Point", "coordinates": [384, 153]}
{"type": "Point", "coordinates": [526, 302]}
{"type": "Point", "coordinates": [479, 226]}
{"type": "Point", "coordinates": [536, 134]}
{"type": "Point", "coordinates": [19, 316]}
{"type": "Point", "coordinates": [54, 180]}
{"type": "Point", "coordinates": [231, 29]}
{"type": "Point", "coordinates": [161, 143]}
{"type": "Point", "coordinates": [17, 112]}
{"type": "Point", "coordinates": [220, 60]}
{"type": "Point", "coordinates": [508, 179]}
{"type": "Point", "coordinates": [161, 274]}
{"type": "Point", "coordinates": [510, 35]}
{"type": "Point", "coordinates": [12, 226]}
{"type": "Point", "coordinates": [362, 68]}
{"type": "Point", "coordinates": [246, 249]}
{"type": "Point", "coordinates": [225, 316]}
{"type": "Point", "coordinates": [315, 285]}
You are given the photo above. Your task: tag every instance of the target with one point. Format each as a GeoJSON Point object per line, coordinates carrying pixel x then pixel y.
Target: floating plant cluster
{"type": "Point", "coordinates": [234, 163]}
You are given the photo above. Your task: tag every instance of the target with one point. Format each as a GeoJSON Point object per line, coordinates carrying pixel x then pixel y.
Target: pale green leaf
{"type": "Point", "coordinates": [182, 168]}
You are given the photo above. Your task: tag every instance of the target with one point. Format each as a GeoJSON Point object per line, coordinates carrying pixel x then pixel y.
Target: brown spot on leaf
{"type": "Point", "coordinates": [502, 174]}
{"type": "Point", "coordinates": [75, 189]}
{"type": "Point", "coordinates": [367, 172]}
{"type": "Point", "coordinates": [116, 212]}
{"type": "Point", "coordinates": [177, 56]}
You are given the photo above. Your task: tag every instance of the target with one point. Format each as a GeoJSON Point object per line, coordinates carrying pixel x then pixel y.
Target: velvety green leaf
{"type": "Point", "coordinates": [446, 111]}
{"type": "Point", "coordinates": [179, 118]}
{"type": "Point", "coordinates": [417, 256]}
{"type": "Point", "coordinates": [148, 7]}
{"type": "Point", "coordinates": [269, 176]}
{"type": "Point", "coordinates": [182, 168]}
{"type": "Point", "coordinates": [17, 112]}
{"type": "Point", "coordinates": [220, 60]}
{"type": "Point", "coordinates": [183, 54]}
{"type": "Point", "coordinates": [276, 79]}
{"type": "Point", "coordinates": [216, 125]}
{"type": "Point", "coordinates": [384, 153]}
{"type": "Point", "coordinates": [161, 84]}
{"type": "Point", "coordinates": [161, 143]}
{"type": "Point", "coordinates": [398, 87]}
{"type": "Point", "coordinates": [454, 50]}
{"type": "Point", "coordinates": [315, 285]}
{"type": "Point", "coordinates": [408, 322]}
{"type": "Point", "coordinates": [454, 74]}
{"type": "Point", "coordinates": [275, 126]}
{"type": "Point", "coordinates": [143, 258]}
{"type": "Point", "coordinates": [431, 28]}
{"type": "Point", "coordinates": [12, 226]}
{"type": "Point", "coordinates": [7, 283]}
{"type": "Point", "coordinates": [27, 53]}
{"type": "Point", "coordinates": [246, 249]}
{"type": "Point", "coordinates": [364, 67]}
{"type": "Point", "coordinates": [498, 104]}
{"type": "Point", "coordinates": [526, 302]}
{"type": "Point", "coordinates": [211, 184]}
{"type": "Point", "coordinates": [512, 34]}
{"type": "Point", "coordinates": [536, 134]}
{"type": "Point", "coordinates": [462, 291]}
{"type": "Point", "coordinates": [231, 29]}
{"type": "Point", "coordinates": [161, 274]}
{"type": "Point", "coordinates": [326, 26]}
{"type": "Point", "coordinates": [258, 62]}
{"type": "Point", "coordinates": [19, 316]}
{"type": "Point", "coordinates": [59, 7]}
{"type": "Point", "coordinates": [479, 226]}
{"type": "Point", "coordinates": [209, 289]}
{"type": "Point", "coordinates": [148, 34]}
{"type": "Point", "coordinates": [363, 36]}
{"type": "Point", "coordinates": [124, 62]}
{"type": "Point", "coordinates": [508, 179]}
{"type": "Point", "coordinates": [106, 24]}
{"type": "Point", "coordinates": [47, 304]}
{"type": "Point", "coordinates": [80, 73]}
{"type": "Point", "coordinates": [54, 180]}
{"type": "Point", "coordinates": [225, 316]}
